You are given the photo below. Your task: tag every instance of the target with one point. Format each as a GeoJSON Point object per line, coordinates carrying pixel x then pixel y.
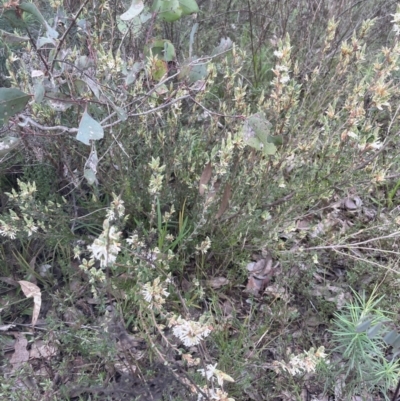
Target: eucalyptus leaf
{"type": "Point", "coordinates": [32, 9]}
{"type": "Point", "coordinates": [10, 38]}
{"type": "Point", "coordinates": [363, 326]}
{"type": "Point", "coordinates": [391, 337]}
{"type": "Point", "coordinates": [193, 72]}
{"type": "Point", "coordinates": [14, 19]}
{"type": "Point", "coordinates": [90, 169]}
{"type": "Point", "coordinates": [93, 86]}
{"type": "Point", "coordinates": [121, 113]}
{"type": "Point", "coordinates": [134, 10]}
{"type": "Point", "coordinates": [133, 73]}
{"type": "Point", "coordinates": [89, 129]}
{"type": "Point", "coordinates": [162, 48]}
{"type": "Point", "coordinates": [255, 132]}
{"type": "Point", "coordinates": [42, 41]}
{"type": "Point", "coordinates": [224, 45]}
{"type": "Point", "coordinates": [7, 144]}
{"type": "Point", "coordinates": [12, 101]}
{"type": "Point", "coordinates": [58, 101]}
{"type": "Point", "coordinates": [189, 7]}
{"type": "Point", "coordinates": [38, 92]}
{"type": "Point", "coordinates": [170, 10]}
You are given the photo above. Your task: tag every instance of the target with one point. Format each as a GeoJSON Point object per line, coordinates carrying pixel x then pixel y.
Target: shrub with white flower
{"type": "Point", "coordinates": [155, 293]}
{"type": "Point", "coordinates": [26, 215]}
{"type": "Point", "coordinates": [211, 373]}
{"type": "Point", "coordinates": [107, 246]}
{"type": "Point", "coordinates": [302, 363]}
{"type": "Point", "coordinates": [204, 246]}
{"type": "Point", "coordinates": [189, 331]}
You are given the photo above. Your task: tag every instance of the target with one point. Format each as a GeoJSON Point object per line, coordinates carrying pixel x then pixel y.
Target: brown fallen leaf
{"type": "Point", "coordinates": [21, 354]}
{"type": "Point", "coordinates": [41, 350]}
{"type": "Point", "coordinates": [225, 200]}
{"type": "Point", "coordinates": [205, 178]}
{"type": "Point", "coordinates": [32, 291]}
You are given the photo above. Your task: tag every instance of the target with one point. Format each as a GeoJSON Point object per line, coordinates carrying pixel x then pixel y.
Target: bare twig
{"type": "Point", "coordinates": [27, 120]}
{"type": "Point", "coordinates": [60, 43]}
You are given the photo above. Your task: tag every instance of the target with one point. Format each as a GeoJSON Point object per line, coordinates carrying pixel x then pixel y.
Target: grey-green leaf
{"type": "Point", "coordinates": [7, 144]}
{"type": "Point", "coordinates": [188, 7]}
{"type": "Point", "coordinates": [32, 9]}
{"type": "Point", "coordinates": [42, 41]}
{"type": "Point", "coordinates": [90, 169]}
{"type": "Point", "coordinates": [8, 37]}
{"type": "Point", "coordinates": [89, 129]}
{"type": "Point", "coordinates": [39, 92]}
{"type": "Point", "coordinates": [12, 101]}
{"type": "Point", "coordinates": [255, 131]}
{"type": "Point", "coordinates": [391, 337]}
{"type": "Point", "coordinates": [363, 326]}
{"type": "Point", "coordinates": [374, 330]}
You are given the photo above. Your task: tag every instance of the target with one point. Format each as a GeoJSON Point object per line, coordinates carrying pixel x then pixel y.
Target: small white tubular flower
{"type": "Point", "coordinates": [106, 247]}
{"type": "Point", "coordinates": [208, 373]}
{"type": "Point", "coordinates": [8, 231]}
{"type": "Point", "coordinates": [212, 372]}
{"type": "Point", "coordinates": [155, 293]}
{"type": "Point", "coordinates": [204, 246]}
{"type": "Point", "coordinates": [190, 332]}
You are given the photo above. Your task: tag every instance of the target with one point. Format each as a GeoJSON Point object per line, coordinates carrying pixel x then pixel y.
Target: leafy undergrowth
{"type": "Point", "coordinates": [181, 227]}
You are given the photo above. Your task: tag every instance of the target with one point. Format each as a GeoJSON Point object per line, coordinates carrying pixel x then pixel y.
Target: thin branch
{"type": "Point", "coordinates": [352, 245]}
{"type": "Point", "coordinates": [60, 43]}
{"type": "Point", "coordinates": [163, 106]}
{"type": "Point", "coordinates": [28, 120]}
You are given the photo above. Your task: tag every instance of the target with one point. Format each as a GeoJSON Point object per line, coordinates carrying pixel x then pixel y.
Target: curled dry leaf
{"type": "Point", "coordinates": [352, 203]}
{"type": "Point", "coordinates": [225, 201]}
{"type": "Point", "coordinates": [205, 178]}
{"type": "Point", "coordinates": [32, 291]}
{"type": "Point", "coordinates": [260, 273]}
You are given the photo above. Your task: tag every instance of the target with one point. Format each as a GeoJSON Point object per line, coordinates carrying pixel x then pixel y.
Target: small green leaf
{"type": "Point", "coordinates": [134, 10]}
{"type": "Point", "coordinates": [12, 101]}
{"type": "Point", "coordinates": [89, 129]}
